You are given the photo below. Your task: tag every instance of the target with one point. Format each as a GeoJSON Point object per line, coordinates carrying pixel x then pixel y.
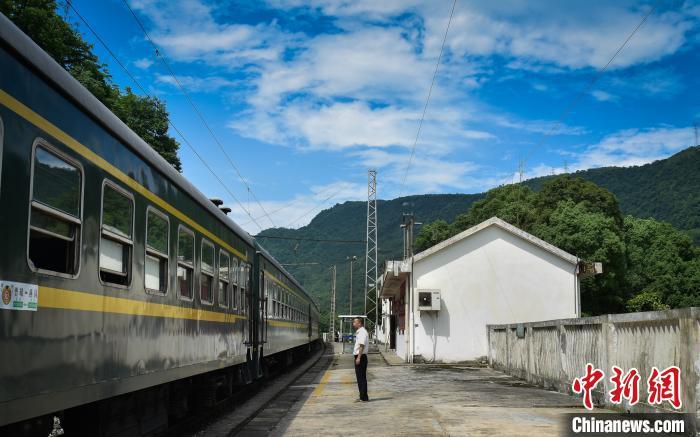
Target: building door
{"type": "Point", "coordinates": [392, 331]}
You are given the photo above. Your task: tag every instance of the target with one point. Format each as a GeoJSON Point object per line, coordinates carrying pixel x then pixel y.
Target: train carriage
{"type": "Point", "coordinates": [117, 275]}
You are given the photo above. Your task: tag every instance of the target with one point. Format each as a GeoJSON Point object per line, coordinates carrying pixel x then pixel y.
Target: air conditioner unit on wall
{"type": "Point", "coordinates": [428, 300]}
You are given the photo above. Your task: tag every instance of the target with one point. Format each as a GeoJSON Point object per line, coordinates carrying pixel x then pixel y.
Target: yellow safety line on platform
{"type": "Point", "coordinates": [322, 384]}
{"type": "Point", "coordinates": [37, 120]}
{"type": "Point", "coordinates": [82, 301]}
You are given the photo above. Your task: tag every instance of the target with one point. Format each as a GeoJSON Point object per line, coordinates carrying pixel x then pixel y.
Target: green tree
{"type": "Point", "coordinates": [648, 300]}
{"type": "Point", "coordinates": [513, 203]}
{"type": "Point", "coordinates": [592, 197]}
{"type": "Point", "coordinates": [146, 116]}
{"type": "Point", "coordinates": [592, 236]}
{"type": "Point", "coordinates": [433, 233]}
{"type": "Point", "coordinates": [662, 266]}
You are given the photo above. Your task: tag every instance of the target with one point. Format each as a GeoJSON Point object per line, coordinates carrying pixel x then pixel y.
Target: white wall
{"type": "Point", "coordinates": [490, 277]}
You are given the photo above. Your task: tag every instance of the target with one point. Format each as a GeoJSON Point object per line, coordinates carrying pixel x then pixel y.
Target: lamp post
{"type": "Point", "coordinates": [352, 259]}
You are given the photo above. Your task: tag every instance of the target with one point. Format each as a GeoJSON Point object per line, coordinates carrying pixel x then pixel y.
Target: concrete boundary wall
{"type": "Point", "coordinates": [552, 353]}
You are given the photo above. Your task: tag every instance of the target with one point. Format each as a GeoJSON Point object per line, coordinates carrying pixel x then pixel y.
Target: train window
{"type": "Point", "coordinates": [206, 279]}
{"type": "Point", "coordinates": [116, 240]}
{"type": "Point", "coordinates": [224, 275]}
{"type": "Point", "coordinates": [55, 223]}
{"type": "Point", "coordinates": [234, 281]}
{"type": "Point", "coordinates": [185, 262]}
{"type": "Point", "coordinates": [157, 250]}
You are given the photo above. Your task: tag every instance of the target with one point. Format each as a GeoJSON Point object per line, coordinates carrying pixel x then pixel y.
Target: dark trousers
{"type": "Point", "coordinates": [361, 374]}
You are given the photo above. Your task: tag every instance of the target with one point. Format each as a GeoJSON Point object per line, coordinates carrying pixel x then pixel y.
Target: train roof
{"type": "Point", "coordinates": [34, 55]}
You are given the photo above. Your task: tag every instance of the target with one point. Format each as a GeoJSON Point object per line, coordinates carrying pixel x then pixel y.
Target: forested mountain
{"type": "Point", "coordinates": [667, 190]}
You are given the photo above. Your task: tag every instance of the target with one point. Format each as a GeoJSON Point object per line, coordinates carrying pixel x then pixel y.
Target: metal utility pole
{"type": "Point", "coordinates": [371, 291]}
{"type": "Point", "coordinates": [409, 221]}
{"type": "Point", "coordinates": [332, 321]}
{"type": "Point", "coordinates": [521, 170]}
{"type": "Point", "coordinates": [352, 260]}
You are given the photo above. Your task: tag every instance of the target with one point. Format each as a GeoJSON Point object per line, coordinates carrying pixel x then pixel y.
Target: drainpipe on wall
{"type": "Point", "coordinates": [413, 320]}
{"type": "Point", "coordinates": [406, 322]}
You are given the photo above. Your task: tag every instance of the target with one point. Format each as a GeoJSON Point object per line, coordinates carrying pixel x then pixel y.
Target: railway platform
{"type": "Point", "coordinates": [410, 400]}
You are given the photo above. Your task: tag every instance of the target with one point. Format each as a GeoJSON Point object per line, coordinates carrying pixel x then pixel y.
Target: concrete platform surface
{"type": "Point", "coordinates": [416, 400]}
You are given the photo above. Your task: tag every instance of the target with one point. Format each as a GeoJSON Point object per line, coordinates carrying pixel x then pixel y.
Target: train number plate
{"type": "Point", "coordinates": [19, 296]}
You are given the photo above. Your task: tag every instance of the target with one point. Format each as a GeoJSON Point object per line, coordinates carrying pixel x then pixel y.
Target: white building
{"type": "Point", "coordinates": [491, 273]}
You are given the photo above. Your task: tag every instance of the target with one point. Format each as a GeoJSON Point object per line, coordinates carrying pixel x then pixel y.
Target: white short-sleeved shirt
{"type": "Point", "coordinates": [361, 337]}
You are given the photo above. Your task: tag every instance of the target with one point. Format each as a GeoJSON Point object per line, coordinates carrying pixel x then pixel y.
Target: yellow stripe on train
{"type": "Point", "coordinates": [82, 301]}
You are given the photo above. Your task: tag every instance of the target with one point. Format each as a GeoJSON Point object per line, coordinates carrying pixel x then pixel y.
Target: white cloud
{"type": "Point", "coordinates": [427, 173]}
{"type": "Point", "coordinates": [570, 34]}
{"type": "Point", "coordinates": [192, 83]}
{"type": "Point", "coordinates": [654, 83]}
{"type": "Point", "coordinates": [635, 147]}
{"type": "Point", "coordinates": [625, 148]}
{"type": "Point", "coordinates": [358, 91]}
{"type": "Point", "coordinates": [143, 63]}
{"type": "Point", "coordinates": [187, 31]}
{"type": "Point", "coordinates": [603, 96]}
{"type": "Point", "coordinates": [299, 210]}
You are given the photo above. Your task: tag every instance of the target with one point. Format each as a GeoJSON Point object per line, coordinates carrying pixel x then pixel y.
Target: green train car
{"type": "Point", "coordinates": [128, 297]}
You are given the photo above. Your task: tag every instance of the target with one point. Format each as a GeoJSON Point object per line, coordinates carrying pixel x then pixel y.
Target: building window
{"type": "Point", "coordinates": [235, 298]}
{"type": "Point", "coordinates": [185, 262]}
{"type": "Point", "coordinates": [224, 275]}
{"type": "Point", "coordinates": [116, 240]}
{"type": "Point", "coordinates": [157, 251]}
{"type": "Point", "coordinates": [206, 279]}
{"type": "Point", "coordinates": [55, 218]}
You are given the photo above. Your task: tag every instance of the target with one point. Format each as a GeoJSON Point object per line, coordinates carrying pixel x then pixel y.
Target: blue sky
{"type": "Point", "coordinates": [305, 96]}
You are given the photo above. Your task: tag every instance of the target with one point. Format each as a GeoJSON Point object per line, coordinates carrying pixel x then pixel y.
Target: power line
{"type": "Point", "coordinates": [427, 100]}
{"type": "Point", "coordinates": [316, 206]}
{"type": "Point", "coordinates": [288, 204]}
{"type": "Point", "coordinates": [143, 90]}
{"type": "Point", "coordinates": [320, 240]}
{"type": "Point", "coordinates": [159, 55]}
{"type": "Point", "coordinates": [567, 110]}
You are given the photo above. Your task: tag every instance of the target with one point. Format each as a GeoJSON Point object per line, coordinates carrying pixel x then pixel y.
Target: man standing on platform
{"type": "Point", "coordinates": [360, 353]}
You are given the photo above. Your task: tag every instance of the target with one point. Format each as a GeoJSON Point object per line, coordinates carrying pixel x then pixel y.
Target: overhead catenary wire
{"type": "Point", "coordinates": [577, 99]}
{"type": "Point", "coordinates": [161, 57]}
{"type": "Point", "coordinates": [292, 202]}
{"type": "Point", "coordinates": [427, 100]}
{"type": "Point", "coordinates": [316, 206]}
{"type": "Point", "coordinates": [170, 123]}
{"type": "Point", "coordinates": [320, 240]}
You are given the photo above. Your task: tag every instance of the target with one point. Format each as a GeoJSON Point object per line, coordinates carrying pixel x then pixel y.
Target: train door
{"type": "Point", "coordinates": [311, 322]}
{"type": "Point", "coordinates": [257, 314]}
{"type": "Point", "coordinates": [262, 311]}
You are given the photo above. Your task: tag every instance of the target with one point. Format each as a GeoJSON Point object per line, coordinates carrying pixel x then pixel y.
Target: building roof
{"type": "Point", "coordinates": [495, 221]}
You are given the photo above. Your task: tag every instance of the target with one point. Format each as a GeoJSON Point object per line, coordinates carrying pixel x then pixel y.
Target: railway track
{"type": "Point", "coordinates": [231, 416]}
